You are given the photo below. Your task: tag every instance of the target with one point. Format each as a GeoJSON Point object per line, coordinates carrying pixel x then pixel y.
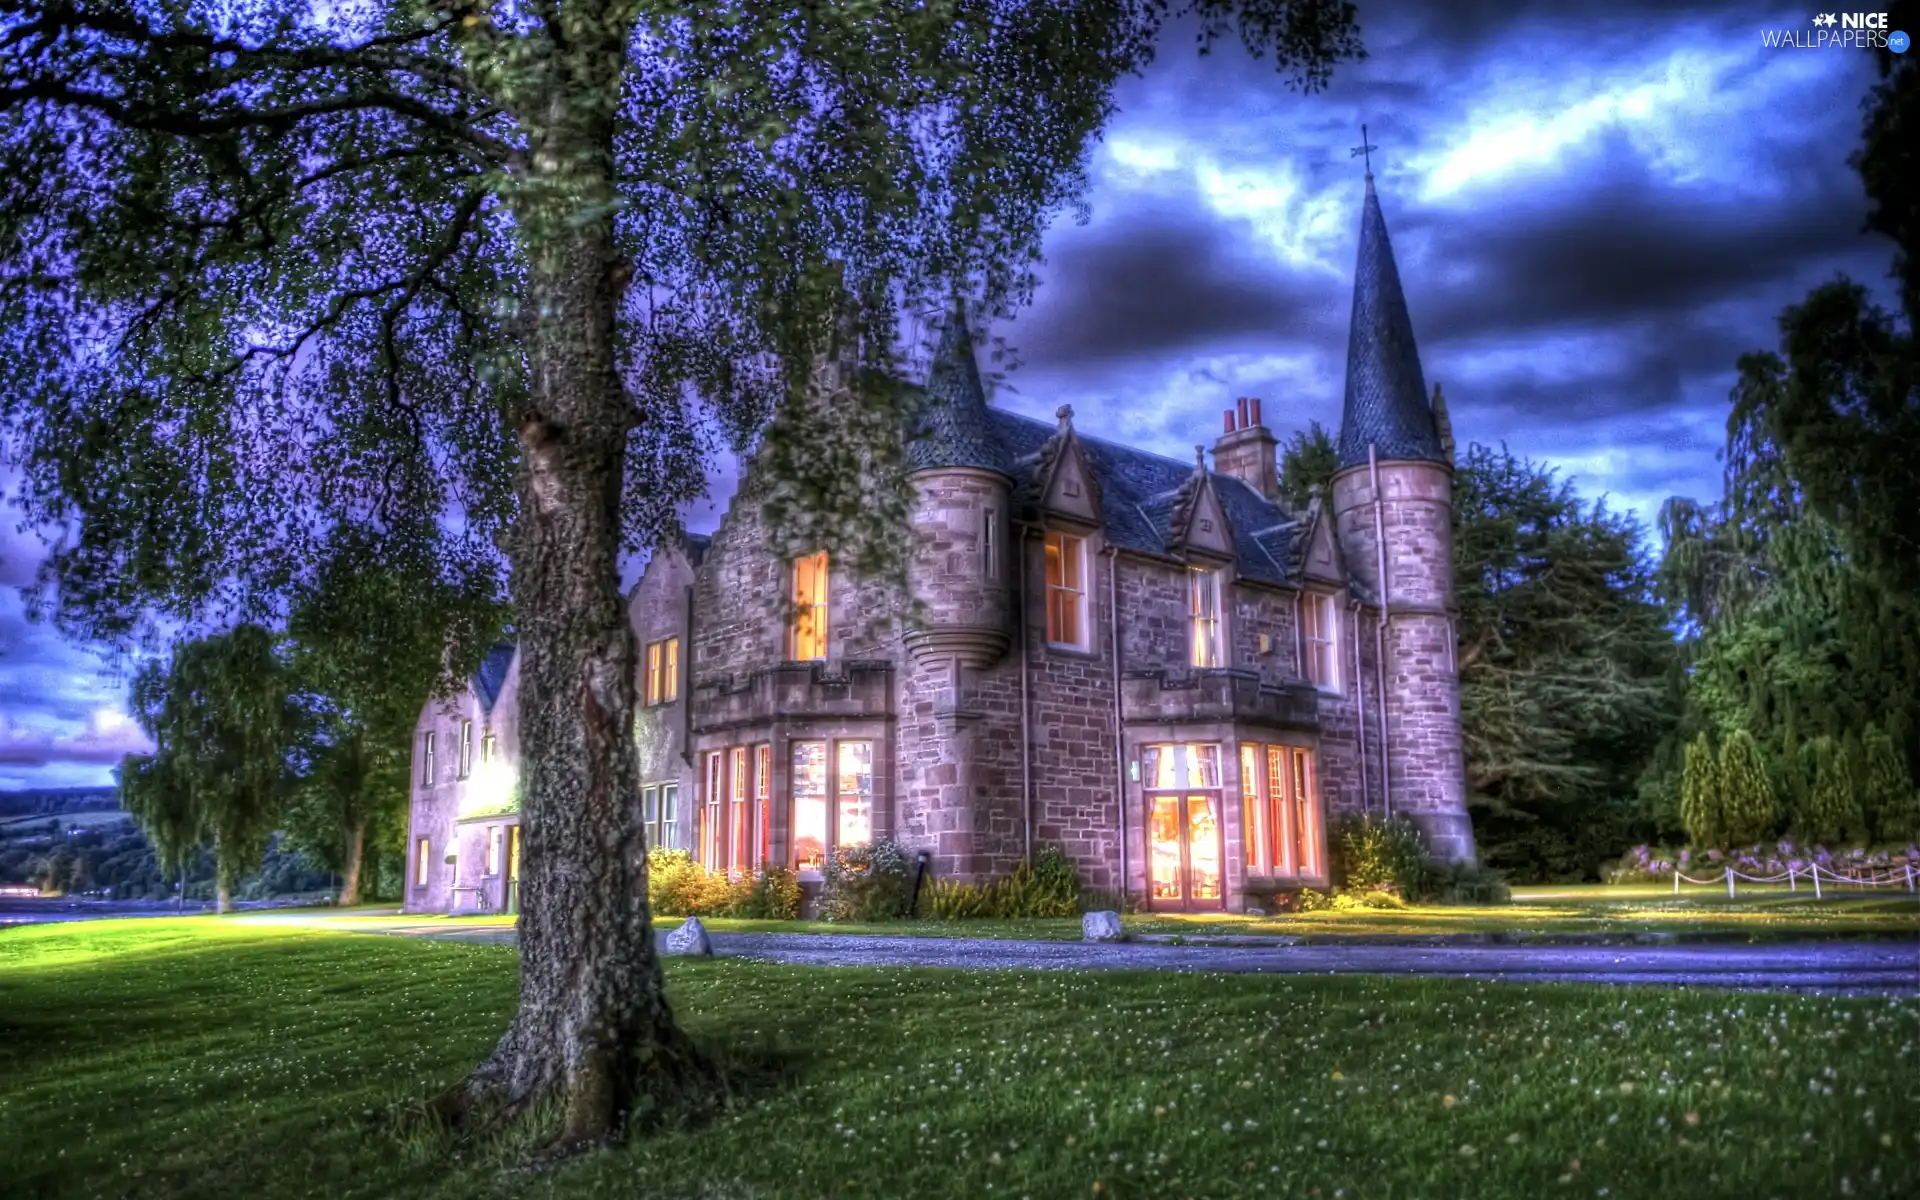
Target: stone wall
{"type": "Point", "coordinates": [657, 609]}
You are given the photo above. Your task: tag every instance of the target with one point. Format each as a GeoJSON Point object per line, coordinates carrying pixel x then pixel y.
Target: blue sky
{"type": "Point", "coordinates": [1593, 216]}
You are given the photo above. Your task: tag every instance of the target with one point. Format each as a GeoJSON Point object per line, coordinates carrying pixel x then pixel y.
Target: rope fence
{"type": "Point", "coordinates": [1904, 877]}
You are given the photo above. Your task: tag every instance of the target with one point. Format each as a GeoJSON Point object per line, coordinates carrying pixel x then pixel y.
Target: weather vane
{"type": "Point", "coordinates": [1364, 150]}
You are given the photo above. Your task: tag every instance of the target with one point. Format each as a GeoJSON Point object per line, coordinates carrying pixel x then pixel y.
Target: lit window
{"type": "Point", "coordinates": [670, 671]}
{"type": "Point", "coordinates": [809, 826]}
{"type": "Point", "coordinates": [763, 797]}
{"type": "Point", "coordinates": [489, 747]}
{"type": "Point", "coordinates": [855, 824]}
{"type": "Point", "coordinates": [1066, 591]}
{"type": "Point", "coordinates": [1203, 610]}
{"type": "Point", "coordinates": [669, 812]}
{"type": "Point", "coordinates": [1253, 817]}
{"type": "Point", "coordinates": [990, 544]}
{"type": "Point", "coordinates": [1319, 628]}
{"type": "Point", "coordinates": [1306, 821]}
{"type": "Point", "coordinates": [466, 749]}
{"type": "Point", "coordinates": [652, 692]}
{"type": "Point", "coordinates": [711, 845]}
{"type": "Point", "coordinates": [809, 634]}
{"type": "Point", "coordinates": [420, 861]}
{"type": "Point", "coordinates": [739, 819]}
{"type": "Point", "coordinates": [426, 759]}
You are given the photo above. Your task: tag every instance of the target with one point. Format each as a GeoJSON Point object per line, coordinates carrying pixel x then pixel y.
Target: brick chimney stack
{"type": "Point", "coordinates": [1247, 449]}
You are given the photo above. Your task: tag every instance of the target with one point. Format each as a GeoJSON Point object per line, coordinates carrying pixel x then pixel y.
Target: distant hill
{"type": "Point", "coordinates": [53, 801]}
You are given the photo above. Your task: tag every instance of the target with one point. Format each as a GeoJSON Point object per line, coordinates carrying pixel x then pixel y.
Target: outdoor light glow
{"type": "Point", "coordinates": [489, 788]}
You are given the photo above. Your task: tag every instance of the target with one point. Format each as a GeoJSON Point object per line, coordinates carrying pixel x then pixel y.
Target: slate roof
{"type": "Point", "coordinates": [1138, 491]}
{"type": "Point", "coordinates": [492, 675]}
{"type": "Point", "coordinates": [953, 430]}
{"type": "Point", "coordinates": [1386, 400]}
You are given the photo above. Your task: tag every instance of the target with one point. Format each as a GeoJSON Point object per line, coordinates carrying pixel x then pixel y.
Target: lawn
{"type": "Point", "coordinates": [212, 1057]}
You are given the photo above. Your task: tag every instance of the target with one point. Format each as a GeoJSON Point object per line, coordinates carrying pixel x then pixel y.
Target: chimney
{"type": "Point", "coordinates": [1248, 450]}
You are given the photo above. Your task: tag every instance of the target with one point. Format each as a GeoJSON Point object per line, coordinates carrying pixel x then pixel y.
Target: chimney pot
{"type": "Point", "coordinates": [1256, 410]}
{"type": "Point", "coordinates": [1228, 415]}
{"type": "Point", "coordinates": [1242, 404]}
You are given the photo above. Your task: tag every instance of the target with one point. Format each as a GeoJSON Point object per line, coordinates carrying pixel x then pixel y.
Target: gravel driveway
{"type": "Point", "coordinates": [1876, 967]}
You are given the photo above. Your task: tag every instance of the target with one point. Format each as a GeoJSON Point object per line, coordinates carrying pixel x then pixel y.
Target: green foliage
{"type": "Point", "coordinates": [1348, 899]}
{"type": "Point", "coordinates": [221, 720]}
{"type": "Point", "coordinates": [1050, 887]}
{"type": "Point", "coordinates": [1702, 808]}
{"type": "Point", "coordinates": [1889, 803]}
{"type": "Point", "coordinates": [1746, 790]}
{"type": "Point", "coordinates": [867, 883]}
{"type": "Point", "coordinates": [1371, 853]}
{"type": "Point", "coordinates": [1565, 666]}
{"type": "Point", "coordinates": [1307, 461]}
{"type": "Point", "coordinates": [771, 894]}
{"type": "Point", "coordinates": [1312, 900]}
{"type": "Point", "coordinates": [1834, 813]}
{"type": "Point", "coordinates": [677, 886]}
{"type": "Point", "coordinates": [1466, 884]}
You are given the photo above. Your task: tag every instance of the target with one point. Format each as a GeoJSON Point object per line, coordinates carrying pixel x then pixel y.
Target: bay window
{"type": "Point", "coordinates": [833, 799]}
{"type": "Point", "coordinates": [1280, 829]}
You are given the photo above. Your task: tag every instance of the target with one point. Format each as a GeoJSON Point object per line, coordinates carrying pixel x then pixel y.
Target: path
{"type": "Point", "coordinates": [1825, 966]}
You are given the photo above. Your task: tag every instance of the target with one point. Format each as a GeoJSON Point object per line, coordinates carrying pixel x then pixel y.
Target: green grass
{"type": "Point", "coordinates": [208, 1057]}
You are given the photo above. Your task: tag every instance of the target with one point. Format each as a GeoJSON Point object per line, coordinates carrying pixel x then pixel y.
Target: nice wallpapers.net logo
{"type": "Point", "coordinates": [1839, 31]}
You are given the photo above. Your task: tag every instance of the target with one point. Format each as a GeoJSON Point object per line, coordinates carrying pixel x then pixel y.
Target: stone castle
{"type": "Point", "coordinates": [1156, 666]}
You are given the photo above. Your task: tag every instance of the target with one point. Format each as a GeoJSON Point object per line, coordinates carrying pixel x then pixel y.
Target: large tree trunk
{"type": "Point", "coordinates": [593, 1032]}
{"type": "Point", "coordinates": [350, 870]}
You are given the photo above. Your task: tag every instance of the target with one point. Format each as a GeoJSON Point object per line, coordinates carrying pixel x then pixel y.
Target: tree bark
{"type": "Point", "coordinates": [350, 870]}
{"type": "Point", "coordinates": [594, 1034]}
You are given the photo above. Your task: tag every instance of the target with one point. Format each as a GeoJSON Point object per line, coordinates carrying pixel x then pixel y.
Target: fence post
{"type": "Point", "coordinates": [1816, 881]}
{"type": "Point", "coordinates": [1909, 877]}
{"type": "Point", "coordinates": [1729, 883]}
{"type": "Point", "coordinates": [1792, 886]}
{"type": "Point", "coordinates": [1676, 879]}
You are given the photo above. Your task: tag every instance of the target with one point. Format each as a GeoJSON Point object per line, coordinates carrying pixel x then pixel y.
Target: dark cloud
{"type": "Point", "coordinates": [1161, 279]}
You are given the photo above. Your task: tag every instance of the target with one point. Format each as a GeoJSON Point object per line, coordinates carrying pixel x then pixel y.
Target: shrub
{"type": "Point", "coordinates": [1390, 854]}
{"type": "Point", "coordinates": [1466, 883]}
{"type": "Point", "coordinates": [1049, 887]}
{"type": "Point", "coordinates": [1834, 812]}
{"type": "Point", "coordinates": [772, 894]}
{"type": "Point", "coordinates": [867, 883]}
{"type": "Point", "coordinates": [1370, 898]}
{"type": "Point", "coordinates": [1308, 900]}
{"type": "Point", "coordinates": [1890, 804]}
{"type": "Point", "coordinates": [1700, 801]}
{"type": "Point", "coordinates": [677, 886]}
{"type": "Point", "coordinates": [1746, 790]}
{"type": "Point", "coordinates": [1105, 900]}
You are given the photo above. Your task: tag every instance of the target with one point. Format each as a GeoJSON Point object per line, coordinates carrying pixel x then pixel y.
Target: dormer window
{"type": "Point", "coordinates": [808, 637]}
{"type": "Point", "coordinates": [1067, 591]}
{"type": "Point", "coordinates": [1319, 629]}
{"type": "Point", "coordinates": [1206, 644]}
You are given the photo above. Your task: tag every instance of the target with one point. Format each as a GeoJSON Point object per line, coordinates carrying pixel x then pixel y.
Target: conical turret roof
{"type": "Point", "coordinates": [1386, 400]}
{"type": "Point", "coordinates": [954, 430]}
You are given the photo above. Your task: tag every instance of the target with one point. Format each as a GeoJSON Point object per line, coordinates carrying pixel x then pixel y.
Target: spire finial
{"type": "Point", "coordinates": [1200, 458]}
{"type": "Point", "coordinates": [1364, 151]}
{"type": "Point", "coordinates": [1065, 415]}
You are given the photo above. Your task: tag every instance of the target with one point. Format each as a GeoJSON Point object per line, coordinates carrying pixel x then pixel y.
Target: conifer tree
{"type": "Point", "coordinates": [1700, 798]}
{"type": "Point", "coordinates": [1746, 790]}
{"type": "Point", "coordinates": [1834, 811]}
{"type": "Point", "coordinates": [1889, 804]}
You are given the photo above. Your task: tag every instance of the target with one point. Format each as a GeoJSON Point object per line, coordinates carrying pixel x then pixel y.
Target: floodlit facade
{"type": "Point", "coordinates": [1154, 664]}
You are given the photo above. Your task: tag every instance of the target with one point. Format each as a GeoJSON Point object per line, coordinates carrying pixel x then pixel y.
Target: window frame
{"type": "Point", "coordinates": [422, 860]}
{"type": "Point", "coordinates": [1053, 549]}
{"type": "Point", "coordinates": [990, 544]}
{"type": "Point", "coordinates": [669, 812]}
{"type": "Point", "coordinates": [426, 758]}
{"type": "Point", "coordinates": [650, 692]}
{"type": "Point", "coordinates": [466, 748]}
{"type": "Point", "coordinates": [496, 851]}
{"type": "Point", "coordinates": [1290, 840]}
{"type": "Point", "coordinates": [1322, 651]}
{"type": "Point", "coordinates": [1214, 639]}
{"type": "Point", "coordinates": [712, 808]}
{"type": "Point", "coordinates": [833, 798]}
{"type": "Point", "coordinates": [810, 626]}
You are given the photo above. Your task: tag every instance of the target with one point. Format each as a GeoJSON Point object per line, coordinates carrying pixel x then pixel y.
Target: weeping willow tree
{"type": "Point", "coordinates": [221, 722]}
{"type": "Point", "coordinates": [515, 266]}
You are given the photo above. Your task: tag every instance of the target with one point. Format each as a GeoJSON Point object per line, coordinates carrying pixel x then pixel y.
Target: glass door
{"type": "Point", "coordinates": [1183, 800]}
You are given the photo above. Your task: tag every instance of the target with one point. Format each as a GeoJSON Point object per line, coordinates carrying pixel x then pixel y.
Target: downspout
{"type": "Point", "coordinates": [1119, 734]}
{"type": "Point", "coordinates": [1026, 706]}
{"type": "Point", "coordinates": [1380, 630]}
{"type": "Point", "coordinates": [1360, 704]}
{"type": "Point", "coordinates": [685, 685]}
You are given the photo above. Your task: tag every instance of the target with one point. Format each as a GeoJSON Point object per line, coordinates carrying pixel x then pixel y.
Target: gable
{"type": "Point", "coordinates": [1207, 531]}
{"type": "Point", "coordinates": [1070, 491]}
{"type": "Point", "coordinates": [1321, 559]}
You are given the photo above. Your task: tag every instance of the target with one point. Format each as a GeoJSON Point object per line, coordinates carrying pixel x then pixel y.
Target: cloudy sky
{"type": "Point", "coordinates": [1593, 218]}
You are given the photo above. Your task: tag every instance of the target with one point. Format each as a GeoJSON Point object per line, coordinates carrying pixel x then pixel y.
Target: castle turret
{"type": "Point", "coordinates": [1393, 512]}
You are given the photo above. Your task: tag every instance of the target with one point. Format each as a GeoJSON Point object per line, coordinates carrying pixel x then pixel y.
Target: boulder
{"type": "Point", "coordinates": [1102, 927]}
{"type": "Point", "coordinates": [690, 938]}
